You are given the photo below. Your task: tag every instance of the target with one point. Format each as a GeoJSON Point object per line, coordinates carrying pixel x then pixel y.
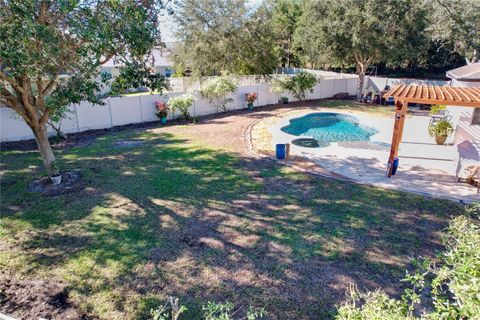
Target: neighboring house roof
{"type": "Point", "coordinates": [470, 72]}
{"type": "Point", "coordinates": [160, 59]}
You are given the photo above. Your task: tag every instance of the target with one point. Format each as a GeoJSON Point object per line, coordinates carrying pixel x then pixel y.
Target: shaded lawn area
{"type": "Point", "coordinates": [175, 216]}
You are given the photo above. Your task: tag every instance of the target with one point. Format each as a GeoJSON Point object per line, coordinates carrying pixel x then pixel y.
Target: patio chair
{"type": "Point", "coordinates": [468, 165]}
{"type": "Point", "coordinates": [390, 101]}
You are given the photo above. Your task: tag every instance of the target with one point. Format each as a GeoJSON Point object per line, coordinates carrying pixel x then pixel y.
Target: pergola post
{"type": "Point", "coordinates": [400, 114]}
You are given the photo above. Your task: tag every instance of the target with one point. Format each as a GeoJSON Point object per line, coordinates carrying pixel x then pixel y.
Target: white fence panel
{"type": "Point", "coordinates": [125, 110]}
{"type": "Point", "coordinates": [340, 86]}
{"type": "Point", "coordinates": [328, 88]}
{"type": "Point", "coordinates": [352, 85]}
{"type": "Point", "coordinates": [13, 127]}
{"type": "Point", "coordinates": [241, 95]}
{"type": "Point", "coordinates": [137, 109]}
{"type": "Point", "coordinates": [234, 104]}
{"type": "Point", "coordinates": [202, 106]}
{"type": "Point", "coordinates": [93, 116]}
{"type": "Point", "coordinates": [148, 106]}
{"type": "Point", "coordinates": [69, 123]}
{"type": "Point", "coordinates": [265, 97]}
{"type": "Point", "coordinates": [317, 92]}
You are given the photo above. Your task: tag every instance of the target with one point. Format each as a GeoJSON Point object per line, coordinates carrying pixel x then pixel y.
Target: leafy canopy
{"type": "Point", "coordinates": [458, 22]}
{"type": "Point", "coordinates": [51, 53]}
{"type": "Point", "coordinates": [223, 35]}
{"type": "Point", "coordinates": [284, 18]}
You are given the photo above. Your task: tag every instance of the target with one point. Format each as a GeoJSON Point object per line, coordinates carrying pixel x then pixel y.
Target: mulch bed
{"type": "Point", "coordinates": [26, 299]}
{"type": "Point", "coordinates": [70, 182]}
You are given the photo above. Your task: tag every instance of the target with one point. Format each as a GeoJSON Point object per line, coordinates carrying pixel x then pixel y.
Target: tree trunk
{"type": "Point", "coordinates": [361, 70]}
{"type": "Point", "coordinates": [45, 149]}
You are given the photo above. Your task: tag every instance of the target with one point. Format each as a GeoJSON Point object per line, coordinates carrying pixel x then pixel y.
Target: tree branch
{"type": "Point", "coordinates": [11, 102]}
{"type": "Point", "coordinates": [51, 85]}
{"type": "Point", "coordinates": [12, 82]}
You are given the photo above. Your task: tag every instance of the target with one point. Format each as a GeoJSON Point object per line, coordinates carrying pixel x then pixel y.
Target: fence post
{"type": "Point", "coordinates": [110, 112]}
{"type": "Point", "coordinates": [76, 117]}
{"type": "Point", "coordinates": [140, 104]}
{"type": "Point", "coordinates": [321, 88]}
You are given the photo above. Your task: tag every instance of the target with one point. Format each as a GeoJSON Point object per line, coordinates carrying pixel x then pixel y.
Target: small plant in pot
{"type": "Point", "coordinates": [162, 111]}
{"type": "Point", "coordinates": [56, 177]}
{"type": "Point", "coordinates": [250, 98]}
{"type": "Point", "coordinates": [441, 130]}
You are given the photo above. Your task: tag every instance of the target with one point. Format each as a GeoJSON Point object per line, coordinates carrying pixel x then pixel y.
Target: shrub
{"type": "Point", "coordinates": [182, 103]}
{"type": "Point", "coordinates": [454, 283]}
{"type": "Point", "coordinates": [210, 311]}
{"type": "Point", "coordinates": [216, 91]}
{"type": "Point", "coordinates": [283, 100]}
{"type": "Point", "coordinates": [299, 84]}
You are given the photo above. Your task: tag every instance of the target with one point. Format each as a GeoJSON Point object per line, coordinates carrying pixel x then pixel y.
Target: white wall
{"type": "Point", "coordinates": [463, 116]}
{"type": "Point", "coordinates": [379, 83]}
{"type": "Point", "coordinates": [119, 111]}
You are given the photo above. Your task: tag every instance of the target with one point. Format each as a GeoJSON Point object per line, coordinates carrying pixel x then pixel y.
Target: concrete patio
{"type": "Point", "coordinates": [425, 167]}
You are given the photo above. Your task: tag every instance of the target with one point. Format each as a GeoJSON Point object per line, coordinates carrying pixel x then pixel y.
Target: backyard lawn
{"type": "Point", "coordinates": [182, 213]}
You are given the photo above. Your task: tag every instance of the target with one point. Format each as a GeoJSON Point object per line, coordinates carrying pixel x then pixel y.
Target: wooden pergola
{"type": "Point", "coordinates": [404, 94]}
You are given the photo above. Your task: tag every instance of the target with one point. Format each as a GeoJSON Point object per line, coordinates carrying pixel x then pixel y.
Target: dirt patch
{"type": "Point", "coordinates": [70, 182]}
{"type": "Point", "coordinates": [76, 139]}
{"type": "Point", "coordinates": [24, 299]}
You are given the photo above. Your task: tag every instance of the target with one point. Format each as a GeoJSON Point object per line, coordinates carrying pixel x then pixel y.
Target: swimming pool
{"type": "Point", "coordinates": [326, 127]}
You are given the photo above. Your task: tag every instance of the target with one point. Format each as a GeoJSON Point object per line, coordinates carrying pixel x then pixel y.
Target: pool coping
{"type": "Point", "coordinates": [284, 120]}
{"type": "Point", "coordinates": [290, 137]}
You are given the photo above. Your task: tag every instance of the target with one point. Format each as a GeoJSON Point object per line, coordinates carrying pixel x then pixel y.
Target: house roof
{"type": "Point", "coordinates": [160, 59]}
{"type": "Point", "coordinates": [452, 96]}
{"type": "Point", "coordinates": [470, 72]}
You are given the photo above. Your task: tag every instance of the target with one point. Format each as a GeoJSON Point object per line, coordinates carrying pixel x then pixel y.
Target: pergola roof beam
{"type": "Point", "coordinates": [453, 96]}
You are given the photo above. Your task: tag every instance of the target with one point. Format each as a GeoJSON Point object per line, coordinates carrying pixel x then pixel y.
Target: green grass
{"type": "Point", "coordinates": [176, 217]}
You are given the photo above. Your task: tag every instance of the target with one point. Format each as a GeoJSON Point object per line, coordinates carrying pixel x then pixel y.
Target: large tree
{"type": "Point", "coordinates": [51, 53]}
{"type": "Point", "coordinates": [223, 35]}
{"type": "Point", "coordinates": [360, 33]}
{"type": "Point", "coordinates": [285, 15]}
{"type": "Point", "coordinates": [458, 22]}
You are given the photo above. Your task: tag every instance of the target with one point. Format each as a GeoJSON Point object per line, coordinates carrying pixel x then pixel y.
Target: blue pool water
{"type": "Point", "coordinates": [329, 127]}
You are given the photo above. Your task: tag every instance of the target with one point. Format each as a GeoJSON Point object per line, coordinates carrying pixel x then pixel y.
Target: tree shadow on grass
{"type": "Point", "coordinates": [171, 217]}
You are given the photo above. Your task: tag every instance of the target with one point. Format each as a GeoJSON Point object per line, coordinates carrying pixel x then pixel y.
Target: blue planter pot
{"type": "Point", "coordinates": [395, 166]}
{"type": "Point", "coordinates": [250, 106]}
{"type": "Point", "coordinates": [281, 151]}
{"type": "Point", "coordinates": [163, 120]}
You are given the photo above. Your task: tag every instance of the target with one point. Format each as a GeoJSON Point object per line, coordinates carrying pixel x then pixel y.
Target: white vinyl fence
{"type": "Point", "coordinates": [119, 111]}
{"type": "Point", "coordinates": [377, 84]}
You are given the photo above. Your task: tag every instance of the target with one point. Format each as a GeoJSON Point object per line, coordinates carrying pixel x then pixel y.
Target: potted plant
{"type": "Point", "coordinates": [56, 178]}
{"type": "Point", "coordinates": [162, 111]}
{"type": "Point", "coordinates": [441, 130]}
{"type": "Point", "coordinates": [250, 98]}
{"type": "Point", "coordinates": [283, 100]}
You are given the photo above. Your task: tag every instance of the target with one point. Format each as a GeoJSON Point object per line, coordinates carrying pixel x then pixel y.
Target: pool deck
{"type": "Point", "coordinates": [425, 167]}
